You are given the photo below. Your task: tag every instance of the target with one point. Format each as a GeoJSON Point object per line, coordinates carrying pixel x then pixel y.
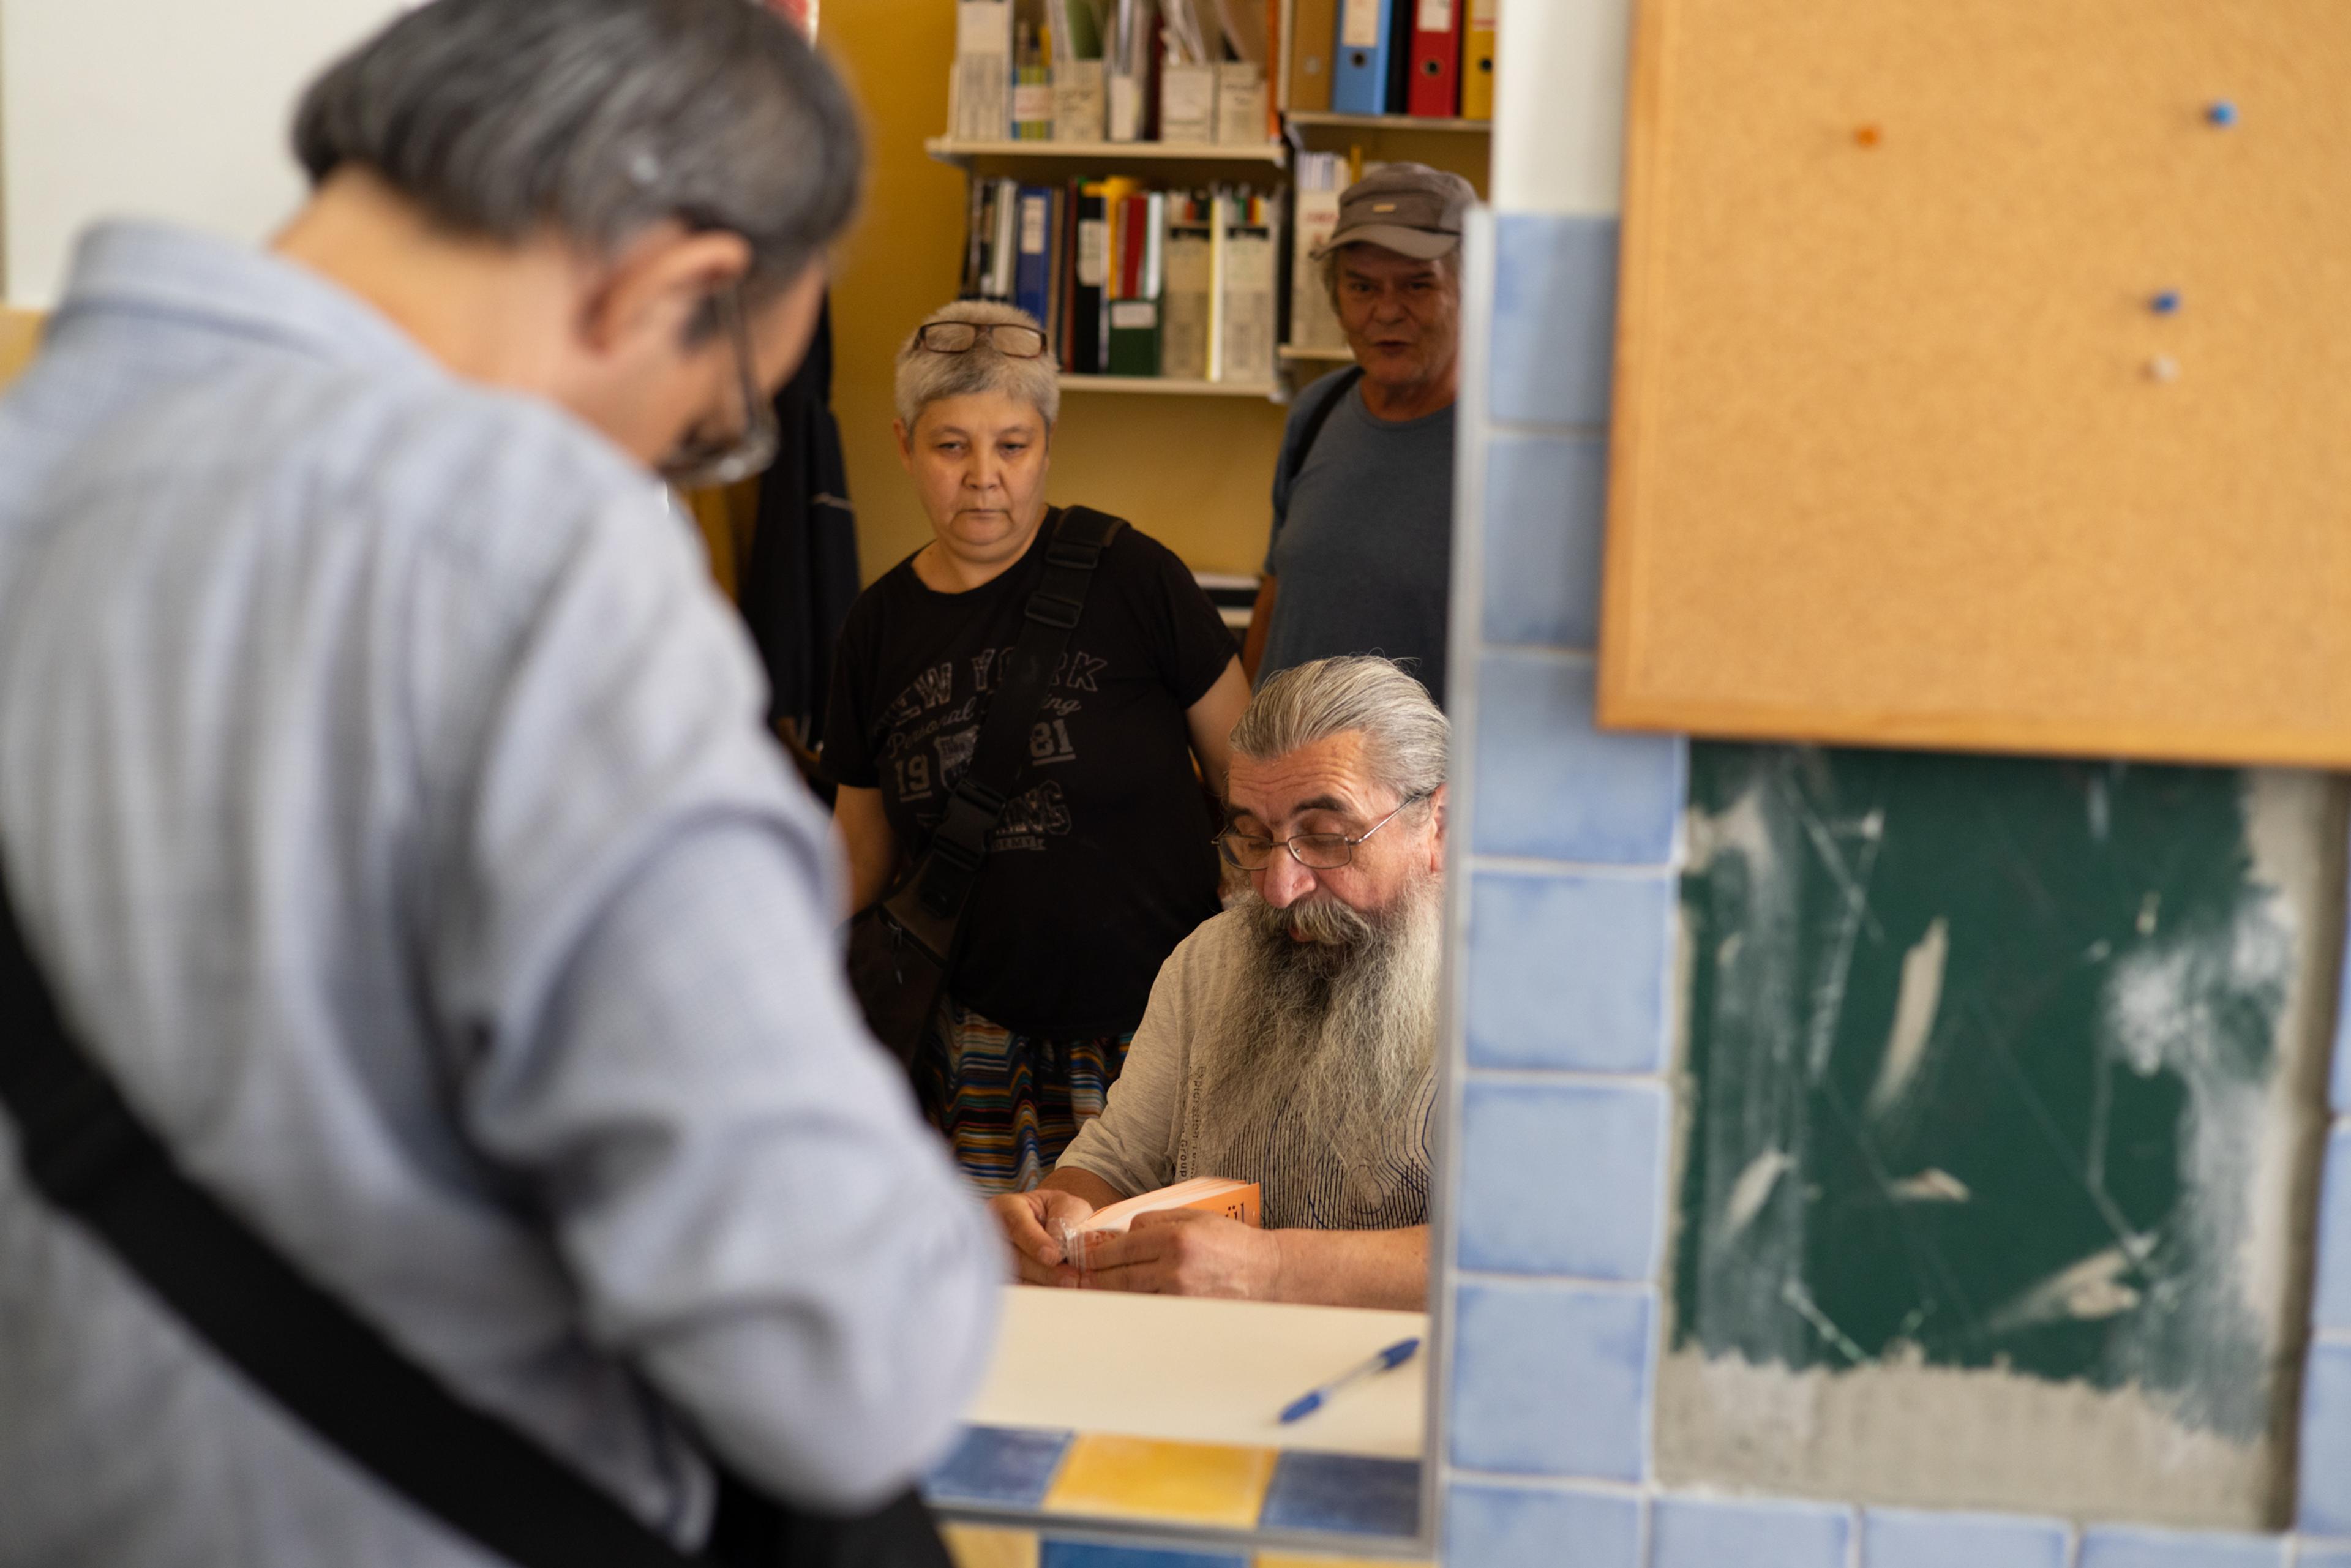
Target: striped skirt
{"type": "Point", "coordinates": [1009, 1103]}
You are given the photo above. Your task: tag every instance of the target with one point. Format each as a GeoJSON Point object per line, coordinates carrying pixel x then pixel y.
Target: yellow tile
{"type": "Point", "coordinates": [1134, 1478]}
{"type": "Point", "coordinates": [982, 1546]}
{"type": "Point", "coordinates": [1301, 1560]}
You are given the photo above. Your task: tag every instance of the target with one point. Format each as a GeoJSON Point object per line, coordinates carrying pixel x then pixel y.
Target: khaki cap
{"type": "Point", "coordinates": [1408, 208]}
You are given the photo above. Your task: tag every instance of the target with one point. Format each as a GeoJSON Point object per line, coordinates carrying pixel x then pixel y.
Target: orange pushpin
{"type": "Point", "coordinates": [1868, 135]}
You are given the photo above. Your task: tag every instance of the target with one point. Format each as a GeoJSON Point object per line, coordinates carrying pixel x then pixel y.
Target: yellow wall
{"type": "Point", "coordinates": [1194, 472]}
{"type": "Point", "coordinates": [20, 334]}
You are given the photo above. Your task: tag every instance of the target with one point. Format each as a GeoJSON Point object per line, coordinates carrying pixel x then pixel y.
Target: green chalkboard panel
{"type": "Point", "coordinates": [2001, 1104]}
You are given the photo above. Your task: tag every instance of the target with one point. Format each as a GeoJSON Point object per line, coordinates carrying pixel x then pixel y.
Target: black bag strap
{"type": "Point", "coordinates": [1316, 418]}
{"type": "Point", "coordinates": [957, 845]}
{"type": "Point", "coordinates": [84, 1148]}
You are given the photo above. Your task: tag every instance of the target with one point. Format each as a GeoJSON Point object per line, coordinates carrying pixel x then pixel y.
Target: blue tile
{"type": "Point", "coordinates": [1554, 318]}
{"type": "Point", "coordinates": [2120, 1546]}
{"type": "Point", "coordinates": [1899, 1537]}
{"type": "Point", "coordinates": [1562, 1179]}
{"type": "Point", "coordinates": [1342, 1492]}
{"type": "Point", "coordinates": [2323, 1554]}
{"type": "Point", "coordinates": [1550, 1381]}
{"type": "Point", "coordinates": [1099, 1555]}
{"type": "Point", "coordinates": [1002, 1466]}
{"type": "Point", "coordinates": [1569, 971]}
{"type": "Point", "coordinates": [2332, 1312]}
{"type": "Point", "coordinates": [1549, 785]}
{"type": "Point", "coordinates": [1545, 497]}
{"type": "Point", "coordinates": [2324, 1504]}
{"type": "Point", "coordinates": [1504, 1526]}
{"type": "Point", "coordinates": [1703, 1532]}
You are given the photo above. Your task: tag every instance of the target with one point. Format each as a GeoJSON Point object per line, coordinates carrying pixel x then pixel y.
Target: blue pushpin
{"type": "Point", "coordinates": [2166, 303]}
{"type": "Point", "coordinates": [2222, 113]}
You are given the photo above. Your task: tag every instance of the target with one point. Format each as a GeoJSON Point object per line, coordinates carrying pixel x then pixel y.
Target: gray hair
{"type": "Point", "coordinates": [1405, 735]}
{"type": "Point", "coordinates": [1448, 266]}
{"type": "Point", "coordinates": [598, 118]}
{"type": "Point", "coordinates": [925, 376]}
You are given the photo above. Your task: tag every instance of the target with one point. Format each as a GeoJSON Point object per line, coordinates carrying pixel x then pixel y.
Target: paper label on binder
{"type": "Point", "coordinates": [1359, 25]}
{"type": "Point", "coordinates": [1093, 252]}
{"type": "Point", "coordinates": [1126, 314]}
{"type": "Point", "coordinates": [1482, 13]}
{"type": "Point", "coordinates": [1436, 15]}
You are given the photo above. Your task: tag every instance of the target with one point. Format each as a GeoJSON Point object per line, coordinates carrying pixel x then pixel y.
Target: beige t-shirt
{"type": "Point", "coordinates": [1151, 1124]}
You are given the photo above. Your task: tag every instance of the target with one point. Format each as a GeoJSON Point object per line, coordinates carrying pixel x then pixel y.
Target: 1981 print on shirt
{"type": "Point", "coordinates": [928, 752]}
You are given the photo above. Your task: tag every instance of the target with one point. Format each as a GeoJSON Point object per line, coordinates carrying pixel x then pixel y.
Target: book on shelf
{"type": "Point", "coordinates": [979, 92]}
{"type": "Point", "coordinates": [1132, 281]}
{"type": "Point", "coordinates": [1478, 61]}
{"type": "Point", "coordinates": [1320, 178]}
{"type": "Point", "coordinates": [1435, 88]}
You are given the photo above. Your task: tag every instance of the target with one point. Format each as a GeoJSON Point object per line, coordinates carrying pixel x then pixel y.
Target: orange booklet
{"type": "Point", "coordinates": [1218, 1195]}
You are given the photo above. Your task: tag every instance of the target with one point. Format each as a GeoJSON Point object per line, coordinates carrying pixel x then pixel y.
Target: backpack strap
{"type": "Point", "coordinates": [1316, 418]}
{"type": "Point", "coordinates": [87, 1153]}
{"type": "Point", "coordinates": [952, 860]}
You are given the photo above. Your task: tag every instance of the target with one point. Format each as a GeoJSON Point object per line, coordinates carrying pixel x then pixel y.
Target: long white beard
{"type": "Point", "coordinates": [1335, 1036]}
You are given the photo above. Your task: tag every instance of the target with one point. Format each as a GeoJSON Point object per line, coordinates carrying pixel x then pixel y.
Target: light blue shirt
{"type": "Point", "coordinates": [382, 786]}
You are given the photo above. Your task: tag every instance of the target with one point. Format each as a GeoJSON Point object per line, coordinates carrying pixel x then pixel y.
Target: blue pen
{"type": "Point", "coordinates": [1306, 1405]}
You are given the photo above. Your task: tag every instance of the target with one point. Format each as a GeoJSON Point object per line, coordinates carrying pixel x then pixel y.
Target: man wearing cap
{"type": "Point", "coordinates": [1362, 492]}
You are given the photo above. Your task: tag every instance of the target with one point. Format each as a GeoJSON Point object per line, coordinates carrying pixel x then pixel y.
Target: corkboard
{"type": "Point", "coordinates": [1893, 462]}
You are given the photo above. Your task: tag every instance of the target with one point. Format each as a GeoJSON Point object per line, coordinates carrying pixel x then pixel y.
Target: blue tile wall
{"type": "Point", "coordinates": [1904, 1538]}
{"type": "Point", "coordinates": [1569, 970]}
{"type": "Point", "coordinates": [1703, 1532]}
{"type": "Point", "coordinates": [1508, 1527]}
{"type": "Point", "coordinates": [2324, 1501]}
{"type": "Point", "coordinates": [1554, 318]}
{"type": "Point", "coordinates": [1562, 1179]}
{"type": "Point", "coordinates": [1550, 1380]}
{"type": "Point", "coordinates": [1343, 1494]}
{"type": "Point", "coordinates": [2323, 1554]}
{"type": "Point", "coordinates": [2332, 1313]}
{"type": "Point", "coordinates": [1552, 786]}
{"type": "Point", "coordinates": [1544, 500]}
{"type": "Point", "coordinates": [2122, 1547]}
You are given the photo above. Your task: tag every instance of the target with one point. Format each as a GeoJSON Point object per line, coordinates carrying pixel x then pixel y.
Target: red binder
{"type": "Point", "coordinates": [1434, 89]}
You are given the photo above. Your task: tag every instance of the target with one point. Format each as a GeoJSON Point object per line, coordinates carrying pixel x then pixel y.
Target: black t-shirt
{"type": "Point", "coordinates": [1101, 862]}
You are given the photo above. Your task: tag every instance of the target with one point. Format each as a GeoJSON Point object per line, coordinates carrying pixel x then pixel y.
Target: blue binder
{"type": "Point", "coordinates": [1032, 274]}
{"type": "Point", "coordinates": [1365, 56]}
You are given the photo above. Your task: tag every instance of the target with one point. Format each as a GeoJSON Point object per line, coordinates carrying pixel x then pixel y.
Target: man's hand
{"type": "Point", "coordinates": [1027, 1218]}
{"type": "Point", "coordinates": [1185, 1253]}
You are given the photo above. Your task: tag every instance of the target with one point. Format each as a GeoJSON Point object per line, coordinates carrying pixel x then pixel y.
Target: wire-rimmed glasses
{"type": "Point", "coordinates": [1315, 851]}
{"type": "Point", "coordinates": [699, 462]}
{"type": "Point", "coordinates": [1010, 339]}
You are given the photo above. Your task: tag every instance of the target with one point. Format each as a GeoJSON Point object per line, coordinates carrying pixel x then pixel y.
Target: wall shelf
{"type": "Point", "coordinates": [969, 154]}
{"type": "Point", "coordinates": [1316, 117]}
{"type": "Point", "coordinates": [1169, 386]}
{"type": "Point", "coordinates": [1292, 353]}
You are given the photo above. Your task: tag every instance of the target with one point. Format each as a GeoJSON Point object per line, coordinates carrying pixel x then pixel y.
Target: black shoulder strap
{"type": "Point", "coordinates": [1319, 416]}
{"type": "Point", "coordinates": [951, 864]}
{"type": "Point", "coordinates": [84, 1148]}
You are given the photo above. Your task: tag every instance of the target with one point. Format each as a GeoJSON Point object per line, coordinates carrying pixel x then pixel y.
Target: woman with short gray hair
{"type": "Point", "coordinates": [1100, 863]}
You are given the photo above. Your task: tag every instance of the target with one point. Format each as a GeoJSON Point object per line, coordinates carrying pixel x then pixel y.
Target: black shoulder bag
{"type": "Point", "coordinates": [902, 949]}
{"type": "Point", "coordinates": [87, 1152]}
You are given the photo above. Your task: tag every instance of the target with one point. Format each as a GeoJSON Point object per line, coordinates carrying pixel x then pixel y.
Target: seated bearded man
{"type": "Point", "coordinates": [1289, 1041]}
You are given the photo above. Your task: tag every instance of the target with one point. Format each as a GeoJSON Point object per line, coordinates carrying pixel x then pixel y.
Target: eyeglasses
{"type": "Point", "coordinates": [1007, 337]}
{"type": "Point", "coordinates": [700, 462]}
{"type": "Point", "coordinates": [1315, 851]}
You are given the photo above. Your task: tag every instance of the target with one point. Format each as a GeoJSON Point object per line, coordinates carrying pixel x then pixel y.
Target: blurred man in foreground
{"type": "Point", "coordinates": [384, 799]}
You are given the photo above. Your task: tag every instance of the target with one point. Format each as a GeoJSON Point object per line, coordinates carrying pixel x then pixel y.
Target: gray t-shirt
{"type": "Point", "coordinates": [1363, 536]}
